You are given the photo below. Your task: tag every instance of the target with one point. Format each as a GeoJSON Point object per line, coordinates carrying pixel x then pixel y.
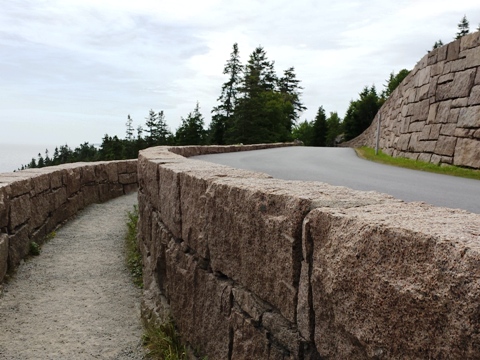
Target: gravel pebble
{"type": "Point", "coordinates": [76, 300]}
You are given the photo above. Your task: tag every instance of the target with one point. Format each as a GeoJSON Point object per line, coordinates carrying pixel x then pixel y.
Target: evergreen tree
{"type": "Point", "coordinates": [320, 128]}
{"type": "Point", "coordinates": [163, 133]}
{"type": "Point", "coordinates": [438, 44]}
{"type": "Point", "coordinates": [290, 89]}
{"type": "Point", "coordinates": [41, 162]}
{"type": "Point", "coordinates": [303, 132]}
{"type": "Point", "coordinates": [463, 27]}
{"type": "Point", "coordinates": [334, 129]}
{"type": "Point", "coordinates": [222, 114]}
{"type": "Point", "coordinates": [394, 81]}
{"type": "Point", "coordinates": [261, 114]}
{"type": "Point", "coordinates": [361, 112]}
{"type": "Point", "coordinates": [129, 132]}
{"type": "Point", "coordinates": [191, 130]}
{"type": "Point", "coordinates": [152, 128]}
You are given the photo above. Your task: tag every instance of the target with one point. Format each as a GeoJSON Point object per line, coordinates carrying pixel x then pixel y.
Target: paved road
{"type": "Point", "coordinates": [341, 166]}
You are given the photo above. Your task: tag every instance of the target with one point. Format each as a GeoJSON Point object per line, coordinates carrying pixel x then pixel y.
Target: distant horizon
{"type": "Point", "coordinates": [74, 70]}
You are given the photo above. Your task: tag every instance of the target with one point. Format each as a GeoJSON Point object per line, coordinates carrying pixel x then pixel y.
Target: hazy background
{"type": "Point", "coordinates": [72, 70]}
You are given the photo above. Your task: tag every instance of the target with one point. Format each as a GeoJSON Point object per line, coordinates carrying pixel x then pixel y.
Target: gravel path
{"type": "Point", "coordinates": [75, 300]}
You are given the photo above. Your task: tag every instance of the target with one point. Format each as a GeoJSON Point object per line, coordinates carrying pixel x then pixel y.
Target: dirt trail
{"type": "Point", "coordinates": [75, 300]}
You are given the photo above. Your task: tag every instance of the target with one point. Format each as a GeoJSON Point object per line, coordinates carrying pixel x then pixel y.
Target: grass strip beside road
{"type": "Point", "coordinates": [369, 154]}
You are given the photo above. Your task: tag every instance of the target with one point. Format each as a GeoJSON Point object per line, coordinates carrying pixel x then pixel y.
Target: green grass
{"type": "Point", "coordinates": [133, 257]}
{"type": "Point", "coordinates": [369, 154]}
{"type": "Point", "coordinates": [163, 343]}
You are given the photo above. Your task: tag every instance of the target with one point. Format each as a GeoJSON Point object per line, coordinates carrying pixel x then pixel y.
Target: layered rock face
{"type": "Point", "coordinates": [34, 202]}
{"type": "Point", "coordinates": [434, 114]}
{"type": "Point", "coordinates": [252, 267]}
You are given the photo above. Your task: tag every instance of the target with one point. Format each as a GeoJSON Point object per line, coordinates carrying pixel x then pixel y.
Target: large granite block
{"type": "Point", "coordinates": [396, 281]}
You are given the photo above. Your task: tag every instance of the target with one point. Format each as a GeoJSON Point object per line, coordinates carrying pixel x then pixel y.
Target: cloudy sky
{"type": "Point", "coordinates": [72, 70]}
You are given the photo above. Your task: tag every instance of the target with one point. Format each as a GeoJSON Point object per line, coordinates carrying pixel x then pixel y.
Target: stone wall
{"type": "Point", "coordinates": [434, 114]}
{"type": "Point", "coordinates": [252, 267]}
{"type": "Point", "coordinates": [34, 202]}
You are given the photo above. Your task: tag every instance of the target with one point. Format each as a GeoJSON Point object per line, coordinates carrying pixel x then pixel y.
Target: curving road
{"type": "Point", "coordinates": [341, 166]}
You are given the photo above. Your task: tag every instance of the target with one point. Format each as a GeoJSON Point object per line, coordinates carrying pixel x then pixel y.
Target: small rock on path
{"type": "Point", "coordinates": [76, 300]}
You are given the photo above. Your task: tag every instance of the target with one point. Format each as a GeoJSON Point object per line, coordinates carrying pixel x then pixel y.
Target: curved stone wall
{"type": "Point", "coordinates": [34, 202]}
{"type": "Point", "coordinates": [259, 268]}
{"type": "Point", "coordinates": [434, 114]}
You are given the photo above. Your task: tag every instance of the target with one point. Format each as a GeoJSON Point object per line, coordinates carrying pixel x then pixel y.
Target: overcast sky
{"type": "Point", "coordinates": [72, 70]}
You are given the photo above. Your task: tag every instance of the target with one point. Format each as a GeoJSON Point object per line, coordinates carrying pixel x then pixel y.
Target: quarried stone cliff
{"type": "Point", "coordinates": [434, 114]}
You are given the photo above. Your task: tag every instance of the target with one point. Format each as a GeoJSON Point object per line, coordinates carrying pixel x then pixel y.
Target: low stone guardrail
{"type": "Point", "coordinates": [254, 267]}
{"type": "Point", "coordinates": [34, 202]}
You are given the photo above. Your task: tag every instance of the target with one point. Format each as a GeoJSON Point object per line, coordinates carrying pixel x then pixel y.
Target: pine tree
{"type": "Point", "coordinates": [259, 115]}
{"type": "Point", "coordinates": [361, 112]}
{"type": "Point", "coordinates": [191, 130]}
{"type": "Point", "coordinates": [290, 89]}
{"type": "Point", "coordinates": [129, 132]}
{"type": "Point", "coordinates": [222, 114]}
{"type": "Point", "coordinates": [334, 129]}
{"type": "Point", "coordinates": [320, 128]}
{"type": "Point", "coordinates": [152, 128]}
{"type": "Point", "coordinates": [463, 27]}
{"type": "Point", "coordinates": [438, 44]}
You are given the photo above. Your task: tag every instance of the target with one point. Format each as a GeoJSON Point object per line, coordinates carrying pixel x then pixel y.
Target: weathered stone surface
{"type": "Point", "coordinates": [448, 129]}
{"type": "Point", "coordinates": [200, 304]}
{"type": "Point", "coordinates": [453, 50]}
{"type": "Point", "coordinates": [470, 41]}
{"type": "Point", "coordinates": [425, 157]}
{"type": "Point", "coordinates": [20, 210]}
{"type": "Point", "coordinates": [3, 255]}
{"type": "Point", "coordinates": [4, 206]}
{"type": "Point", "coordinates": [87, 174]}
{"type": "Point", "coordinates": [72, 180]}
{"type": "Point", "coordinates": [446, 145]}
{"type": "Point", "coordinates": [405, 264]}
{"type": "Point", "coordinates": [443, 111]}
{"type": "Point", "coordinates": [460, 102]}
{"type": "Point", "coordinates": [403, 141]}
{"type": "Point", "coordinates": [469, 117]}
{"type": "Point", "coordinates": [467, 153]}
{"type": "Point", "coordinates": [41, 206]}
{"type": "Point", "coordinates": [463, 82]}
{"type": "Point", "coordinates": [248, 339]}
{"type": "Point", "coordinates": [473, 57]}
{"type": "Point", "coordinates": [18, 246]}
{"type": "Point", "coordinates": [474, 96]}
{"type": "Point", "coordinates": [129, 178]}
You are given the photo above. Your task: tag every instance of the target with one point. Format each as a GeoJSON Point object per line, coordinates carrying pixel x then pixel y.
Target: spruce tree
{"type": "Point", "coordinates": [191, 130]}
{"type": "Point", "coordinates": [291, 91]}
{"type": "Point", "coordinates": [129, 131]}
{"type": "Point", "coordinates": [463, 28]}
{"type": "Point", "coordinates": [222, 114]}
{"type": "Point", "coordinates": [320, 128]}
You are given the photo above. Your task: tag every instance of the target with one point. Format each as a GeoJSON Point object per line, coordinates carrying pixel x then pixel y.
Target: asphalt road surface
{"type": "Point", "coordinates": [341, 166]}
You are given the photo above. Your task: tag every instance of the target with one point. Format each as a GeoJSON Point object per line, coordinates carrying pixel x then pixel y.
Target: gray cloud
{"type": "Point", "coordinates": [72, 70]}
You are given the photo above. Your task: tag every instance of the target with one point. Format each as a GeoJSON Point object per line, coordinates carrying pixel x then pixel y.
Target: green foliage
{"type": "Point", "coordinates": [34, 249]}
{"type": "Point", "coordinates": [133, 257]}
{"type": "Point", "coordinates": [163, 343]}
{"type": "Point", "coordinates": [369, 154]}
{"type": "Point", "coordinates": [361, 112]}
{"type": "Point", "coordinates": [320, 128]}
{"type": "Point", "coordinates": [437, 44]}
{"type": "Point", "coordinates": [394, 81]}
{"type": "Point", "coordinates": [222, 114]}
{"type": "Point", "coordinates": [463, 28]}
{"type": "Point", "coordinates": [304, 132]}
{"type": "Point", "coordinates": [191, 130]}
{"type": "Point", "coordinates": [267, 107]}
{"type": "Point", "coordinates": [334, 129]}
